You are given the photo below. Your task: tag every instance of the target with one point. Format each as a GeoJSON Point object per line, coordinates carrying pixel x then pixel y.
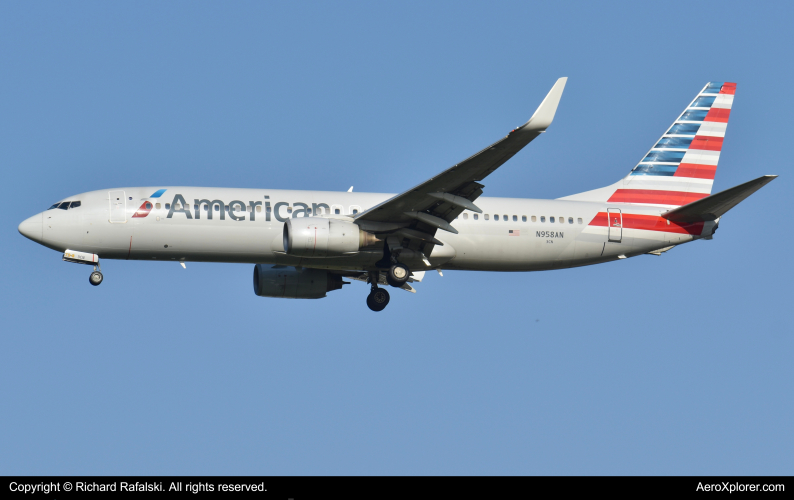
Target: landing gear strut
{"type": "Point", "coordinates": [397, 274]}
{"type": "Point", "coordinates": [378, 298]}
{"type": "Point", "coordinates": [95, 278]}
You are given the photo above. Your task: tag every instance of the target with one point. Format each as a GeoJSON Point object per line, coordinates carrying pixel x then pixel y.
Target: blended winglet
{"type": "Point", "coordinates": [714, 206]}
{"type": "Point", "coordinates": [544, 115]}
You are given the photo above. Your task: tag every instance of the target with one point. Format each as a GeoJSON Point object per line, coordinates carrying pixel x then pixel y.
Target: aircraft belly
{"type": "Point", "coordinates": [525, 251]}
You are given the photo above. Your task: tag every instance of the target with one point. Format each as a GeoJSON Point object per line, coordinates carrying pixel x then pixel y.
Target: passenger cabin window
{"type": "Point", "coordinates": [543, 218]}
{"type": "Point", "coordinates": [505, 218]}
{"type": "Point", "coordinates": [259, 208]}
{"type": "Point", "coordinates": [495, 217]}
{"type": "Point", "coordinates": [562, 220]}
{"type": "Point", "coordinates": [515, 218]}
{"type": "Point", "coordinates": [534, 219]}
{"type": "Point", "coordinates": [465, 216]}
{"type": "Point", "coordinates": [168, 206]}
{"type": "Point", "coordinates": [579, 220]}
{"type": "Point", "coordinates": [289, 210]}
{"type": "Point", "coordinates": [551, 219]}
{"type": "Point", "coordinates": [476, 216]}
{"type": "Point", "coordinates": [486, 217]}
{"type": "Point", "coordinates": [157, 206]}
{"type": "Point", "coordinates": [570, 220]}
{"type": "Point", "coordinates": [337, 211]}
{"type": "Point", "coordinates": [355, 211]}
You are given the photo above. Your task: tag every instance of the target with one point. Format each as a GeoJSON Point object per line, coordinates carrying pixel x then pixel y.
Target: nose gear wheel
{"type": "Point", "coordinates": [95, 278]}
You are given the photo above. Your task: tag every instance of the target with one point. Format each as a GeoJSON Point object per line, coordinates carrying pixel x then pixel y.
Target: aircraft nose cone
{"type": "Point", "coordinates": [32, 228]}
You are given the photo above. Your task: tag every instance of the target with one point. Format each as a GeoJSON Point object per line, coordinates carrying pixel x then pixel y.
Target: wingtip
{"type": "Point", "coordinates": [544, 115]}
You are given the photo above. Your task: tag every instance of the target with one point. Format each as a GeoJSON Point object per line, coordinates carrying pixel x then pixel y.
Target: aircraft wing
{"type": "Point", "coordinates": [436, 202]}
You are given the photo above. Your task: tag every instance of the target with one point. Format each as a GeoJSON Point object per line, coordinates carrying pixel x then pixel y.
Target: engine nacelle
{"type": "Point", "coordinates": [291, 283]}
{"type": "Point", "coordinates": [320, 237]}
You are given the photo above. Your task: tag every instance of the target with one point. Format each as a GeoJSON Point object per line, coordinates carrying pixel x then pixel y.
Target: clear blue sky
{"type": "Point", "coordinates": [680, 364]}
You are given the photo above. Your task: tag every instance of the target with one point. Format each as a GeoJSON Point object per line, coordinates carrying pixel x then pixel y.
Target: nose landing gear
{"type": "Point", "coordinates": [378, 298]}
{"type": "Point", "coordinates": [95, 278]}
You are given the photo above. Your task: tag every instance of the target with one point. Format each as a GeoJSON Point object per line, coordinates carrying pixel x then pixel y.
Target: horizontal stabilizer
{"type": "Point", "coordinates": [714, 206]}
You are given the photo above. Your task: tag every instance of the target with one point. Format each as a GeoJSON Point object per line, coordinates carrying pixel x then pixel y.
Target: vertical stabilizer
{"type": "Point", "coordinates": [680, 167]}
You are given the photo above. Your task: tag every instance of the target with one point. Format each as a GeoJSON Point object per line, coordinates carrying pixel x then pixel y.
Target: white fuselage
{"type": "Point", "coordinates": [510, 235]}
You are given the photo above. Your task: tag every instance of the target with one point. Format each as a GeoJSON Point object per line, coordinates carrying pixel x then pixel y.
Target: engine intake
{"type": "Point", "coordinates": [320, 237]}
{"type": "Point", "coordinates": [291, 283]}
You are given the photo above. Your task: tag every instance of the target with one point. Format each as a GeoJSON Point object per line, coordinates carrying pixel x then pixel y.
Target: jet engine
{"type": "Point", "coordinates": [319, 237]}
{"type": "Point", "coordinates": [291, 283]}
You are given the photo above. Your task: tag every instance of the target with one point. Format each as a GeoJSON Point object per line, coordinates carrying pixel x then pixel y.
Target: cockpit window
{"type": "Point", "coordinates": [65, 205]}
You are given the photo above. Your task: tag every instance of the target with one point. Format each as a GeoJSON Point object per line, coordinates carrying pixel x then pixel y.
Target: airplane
{"type": "Point", "coordinates": [304, 244]}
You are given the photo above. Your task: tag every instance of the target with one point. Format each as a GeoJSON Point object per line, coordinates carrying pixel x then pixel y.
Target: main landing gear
{"type": "Point", "coordinates": [95, 278]}
{"type": "Point", "coordinates": [397, 275]}
{"type": "Point", "coordinates": [378, 298]}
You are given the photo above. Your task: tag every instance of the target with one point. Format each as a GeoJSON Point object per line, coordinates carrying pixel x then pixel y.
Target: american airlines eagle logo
{"type": "Point", "coordinates": [147, 205]}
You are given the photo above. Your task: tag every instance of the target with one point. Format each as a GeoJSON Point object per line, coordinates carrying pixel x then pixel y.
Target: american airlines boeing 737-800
{"type": "Point", "coordinates": [304, 244]}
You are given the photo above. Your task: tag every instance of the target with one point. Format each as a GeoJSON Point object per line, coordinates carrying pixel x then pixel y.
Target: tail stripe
{"type": "Point", "coordinates": [718, 115]}
{"type": "Point", "coordinates": [681, 166]}
{"type": "Point", "coordinates": [655, 197]}
{"type": "Point", "coordinates": [649, 223]}
{"type": "Point", "coordinates": [690, 149]}
{"type": "Point", "coordinates": [728, 88]}
{"type": "Point", "coordinates": [696, 171]}
{"type": "Point", "coordinates": [706, 143]}
{"type": "Point", "coordinates": [712, 129]}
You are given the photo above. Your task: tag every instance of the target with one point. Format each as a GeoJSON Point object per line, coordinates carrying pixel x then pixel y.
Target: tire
{"type": "Point", "coordinates": [95, 278]}
{"type": "Point", "coordinates": [378, 299]}
{"type": "Point", "coordinates": [397, 275]}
